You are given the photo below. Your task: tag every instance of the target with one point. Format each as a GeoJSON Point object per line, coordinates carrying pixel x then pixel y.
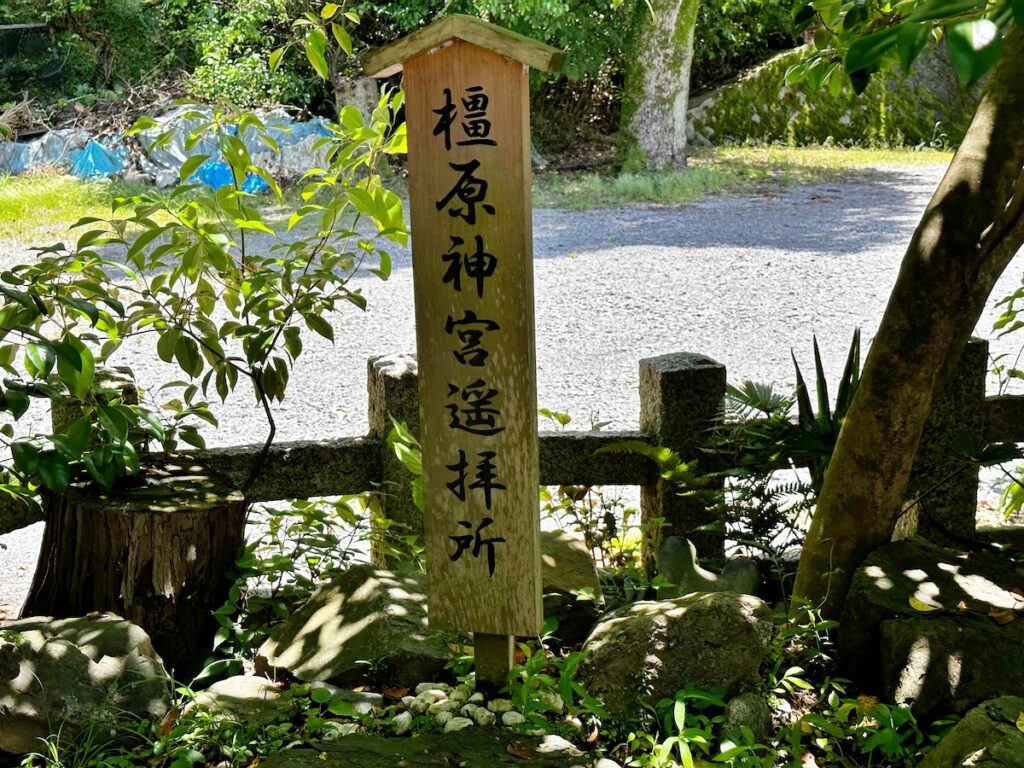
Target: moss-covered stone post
{"type": "Point", "coordinates": [467, 115]}
{"type": "Point", "coordinates": [945, 483]}
{"type": "Point", "coordinates": [680, 398]}
{"type": "Point", "coordinates": [393, 389]}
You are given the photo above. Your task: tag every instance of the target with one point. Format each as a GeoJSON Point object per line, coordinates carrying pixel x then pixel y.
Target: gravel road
{"type": "Point", "coordinates": [741, 279]}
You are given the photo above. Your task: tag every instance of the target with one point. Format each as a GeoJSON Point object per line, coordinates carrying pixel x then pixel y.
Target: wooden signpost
{"type": "Point", "coordinates": [467, 112]}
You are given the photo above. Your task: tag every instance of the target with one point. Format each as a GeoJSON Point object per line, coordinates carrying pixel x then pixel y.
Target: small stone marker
{"type": "Point", "coordinates": [467, 112]}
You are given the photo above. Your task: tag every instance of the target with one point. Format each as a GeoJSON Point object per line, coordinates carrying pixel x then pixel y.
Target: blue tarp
{"type": "Point", "coordinates": [217, 174]}
{"type": "Point", "coordinates": [96, 161]}
{"type": "Point", "coordinates": [213, 173]}
{"type": "Point", "coordinates": [13, 157]}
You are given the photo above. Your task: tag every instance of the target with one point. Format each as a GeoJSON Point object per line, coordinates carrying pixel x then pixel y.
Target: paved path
{"type": "Point", "coordinates": [741, 279]}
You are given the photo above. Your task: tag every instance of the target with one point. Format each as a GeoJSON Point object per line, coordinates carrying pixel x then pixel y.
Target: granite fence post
{"type": "Point", "coordinates": [680, 398]}
{"type": "Point", "coordinates": [944, 484]}
{"type": "Point", "coordinates": [393, 387]}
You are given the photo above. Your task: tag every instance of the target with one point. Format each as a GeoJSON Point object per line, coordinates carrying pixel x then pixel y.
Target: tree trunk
{"type": "Point", "coordinates": [970, 230]}
{"type": "Point", "coordinates": [657, 88]}
{"type": "Point", "coordinates": [156, 554]}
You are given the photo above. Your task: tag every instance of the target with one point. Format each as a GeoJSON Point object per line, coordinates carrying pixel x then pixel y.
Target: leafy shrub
{"type": "Point", "coordinates": [734, 34]}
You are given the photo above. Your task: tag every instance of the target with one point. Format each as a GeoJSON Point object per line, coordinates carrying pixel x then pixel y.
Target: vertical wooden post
{"type": "Point", "coordinates": [467, 114]}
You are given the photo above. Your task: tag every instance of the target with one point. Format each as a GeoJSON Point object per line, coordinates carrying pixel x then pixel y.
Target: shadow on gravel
{"type": "Point", "coordinates": [872, 209]}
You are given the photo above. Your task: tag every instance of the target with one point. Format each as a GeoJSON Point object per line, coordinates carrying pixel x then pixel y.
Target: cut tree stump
{"type": "Point", "coordinates": [156, 553]}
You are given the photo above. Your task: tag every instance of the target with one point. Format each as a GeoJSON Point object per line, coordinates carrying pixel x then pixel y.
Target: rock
{"type": "Point", "coordinates": [499, 705]}
{"type": "Point", "coordinates": [476, 698]}
{"type": "Point", "coordinates": [750, 710]}
{"type": "Point", "coordinates": [677, 563]}
{"type": "Point", "coordinates": [365, 615]}
{"type": "Point", "coordinates": [943, 653]}
{"type": "Point", "coordinates": [483, 717]}
{"type": "Point", "coordinates": [62, 674]}
{"type": "Point", "coordinates": [572, 588]}
{"type": "Point", "coordinates": [510, 719]}
{"type": "Point", "coordinates": [443, 718]}
{"type": "Point", "coordinates": [650, 650]}
{"type": "Point", "coordinates": [422, 687]}
{"type": "Point", "coordinates": [242, 698]}
{"type": "Point", "coordinates": [457, 724]}
{"type": "Point", "coordinates": [402, 723]}
{"type": "Point", "coordinates": [606, 762]}
{"type": "Point", "coordinates": [442, 706]}
{"type": "Point", "coordinates": [470, 748]}
{"type": "Point", "coordinates": [987, 737]}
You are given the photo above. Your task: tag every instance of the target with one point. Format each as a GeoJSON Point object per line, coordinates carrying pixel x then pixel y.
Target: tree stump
{"type": "Point", "coordinates": [155, 552]}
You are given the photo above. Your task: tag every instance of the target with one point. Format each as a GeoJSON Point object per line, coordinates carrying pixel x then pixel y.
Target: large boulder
{"type": "Point", "coordinates": [61, 674]}
{"type": "Point", "coordinates": [989, 736]}
{"type": "Point", "coordinates": [572, 588]}
{"type": "Point", "coordinates": [368, 623]}
{"type": "Point", "coordinates": [934, 629]}
{"type": "Point", "coordinates": [650, 650]}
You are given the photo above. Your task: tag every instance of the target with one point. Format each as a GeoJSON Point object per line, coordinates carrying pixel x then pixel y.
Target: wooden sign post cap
{"type": "Point", "coordinates": [387, 61]}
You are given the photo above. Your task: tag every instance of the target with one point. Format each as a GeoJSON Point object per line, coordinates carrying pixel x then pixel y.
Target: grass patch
{"type": "Point", "coordinates": [38, 208]}
{"type": "Point", "coordinates": [720, 170]}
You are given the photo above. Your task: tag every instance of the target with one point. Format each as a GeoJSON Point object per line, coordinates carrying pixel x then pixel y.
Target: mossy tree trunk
{"type": "Point", "coordinates": [657, 88]}
{"type": "Point", "coordinates": [970, 231]}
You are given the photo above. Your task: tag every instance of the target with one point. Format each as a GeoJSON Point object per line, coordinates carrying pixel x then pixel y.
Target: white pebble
{"type": "Point", "coordinates": [432, 695]}
{"type": "Point", "coordinates": [402, 723]}
{"type": "Point", "coordinates": [500, 705]}
{"type": "Point", "coordinates": [512, 718]}
{"type": "Point", "coordinates": [482, 717]}
{"type": "Point", "coordinates": [444, 717]}
{"type": "Point", "coordinates": [423, 687]}
{"type": "Point", "coordinates": [407, 701]}
{"type": "Point", "coordinates": [459, 696]}
{"type": "Point", "coordinates": [457, 724]}
{"type": "Point", "coordinates": [476, 698]}
{"type": "Point", "coordinates": [419, 705]}
{"type": "Point", "coordinates": [468, 710]}
{"type": "Point", "coordinates": [442, 706]}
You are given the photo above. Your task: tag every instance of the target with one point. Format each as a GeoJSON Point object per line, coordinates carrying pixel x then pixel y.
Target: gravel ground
{"type": "Point", "coordinates": [741, 279]}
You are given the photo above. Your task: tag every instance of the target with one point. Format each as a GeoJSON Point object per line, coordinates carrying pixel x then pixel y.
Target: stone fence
{"type": "Point", "coordinates": [680, 397]}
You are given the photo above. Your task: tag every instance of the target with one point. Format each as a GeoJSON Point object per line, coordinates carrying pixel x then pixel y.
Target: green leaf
{"type": "Point", "coordinates": [275, 59]}
{"type": "Point", "coordinates": [166, 343]}
{"type": "Point", "coordinates": [941, 9]}
{"type": "Point", "coordinates": [25, 455]}
{"type": "Point", "coordinates": [865, 51]}
{"type": "Point", "coordinates": [191, 165]}
{"type": "Point", "coordinates": [54, 471]}
{"type": "Point", "coordinates": [342, 37]}
{"type": "Point", "coordinates": [974, 47]}
{"type": "Point", "coordinates": [320, 695]}
{"type": "Point", "coordinates": [911, 41]}
{"type": "Point", "coordinates": [41, 358]}
{"type": "Point", "coordinates": [16, 402]}
{"type": "Point", "coordinates": [186, 352]}
{"type": "Point", "coordinates": [236, 154]}
{"type": "Point", "coordinates": [76, 436]}
{"type": "Point", "coordinates": [319, 325]}
{"type": "Point", "coordinates": [315, 44]}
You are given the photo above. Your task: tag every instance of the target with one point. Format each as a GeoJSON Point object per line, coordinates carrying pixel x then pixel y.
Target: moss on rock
{"type": "Point", "coordinates": [926, 106]}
